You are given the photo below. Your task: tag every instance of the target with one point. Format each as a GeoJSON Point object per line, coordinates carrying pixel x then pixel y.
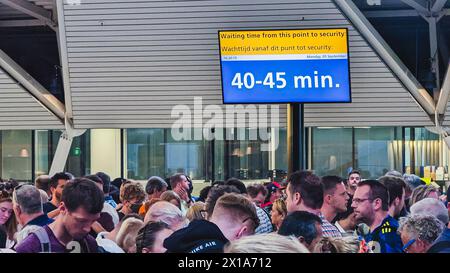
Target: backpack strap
{"type": "Point", "coordinates": [42, 235]}
{"type": "Point", "coordinates": [438, 247]}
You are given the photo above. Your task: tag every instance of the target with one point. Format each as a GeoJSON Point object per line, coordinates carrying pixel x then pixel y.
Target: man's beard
{"type": "Point", "coordinates": [58, 197]}
{"type": "Point", "coordinates": [364, 220]}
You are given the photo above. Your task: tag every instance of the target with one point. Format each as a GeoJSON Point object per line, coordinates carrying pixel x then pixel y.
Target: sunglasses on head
{"type": "Point", "coordinates": [4, 194]}
{"type": "Point", "coordinates": [6, 186]}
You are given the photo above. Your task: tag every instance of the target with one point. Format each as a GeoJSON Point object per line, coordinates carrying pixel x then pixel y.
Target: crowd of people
{"type": "Point", "coordinates": [304, 213]}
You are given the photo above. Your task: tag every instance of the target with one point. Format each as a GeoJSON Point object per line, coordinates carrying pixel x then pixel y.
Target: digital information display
{"type": "Point", "coordinates": [285, 66]}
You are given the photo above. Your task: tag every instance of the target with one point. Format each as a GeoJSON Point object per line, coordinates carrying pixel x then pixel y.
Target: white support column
{"type": "Point", "coordinates": [63, 55]}
{"type": "Point", "coordinates": [61, 154]}
{"type": "Point", "coordinates": [434, 53]}
{"type": "Point", "coordinates": [63, 148]}
{"type": "Point", "coordinates": [273, 148]}
{"type": "Point", "coordinates": [444, 95]}
{"type": "Point", "coordinates": [106, 151]}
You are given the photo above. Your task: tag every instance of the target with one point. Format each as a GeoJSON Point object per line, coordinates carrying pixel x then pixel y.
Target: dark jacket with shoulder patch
{"type": "Point", "coordinates": [200, 236]}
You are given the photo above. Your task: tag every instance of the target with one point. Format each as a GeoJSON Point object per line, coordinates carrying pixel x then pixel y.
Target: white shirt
{"type": "Point", "coordinates": [111, 211]}
{"type": "Point", "coordinates": [108, 245]}
{"type": "Point", "coordinates": [10, 243]}
{"type": "Point", "coordinates": [341, 230]}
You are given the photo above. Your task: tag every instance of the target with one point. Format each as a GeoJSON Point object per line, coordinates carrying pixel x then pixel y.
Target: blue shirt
{"type": "Point", "coordinates": [444, 237]}
{"type": "Point", "coordinates": [41, 221]}
{"type": "Point", "coordinates": [385, 239]}
{"type": "Point", "coordinates": [110, 200]}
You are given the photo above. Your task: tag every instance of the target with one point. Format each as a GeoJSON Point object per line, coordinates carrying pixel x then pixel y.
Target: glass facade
{"type": "Point", "coordinates": [376, 150]}
{"type": "Point", "coordinates": [331, 150]}
{"type": "Point", "coordinates": [16, 155]}
{"type": "Point", "coordinates": [26, 154]}
{"type": "Point", "coordinates": [422, 149]}
{"type": "Point", "coordinates": [156, 152]}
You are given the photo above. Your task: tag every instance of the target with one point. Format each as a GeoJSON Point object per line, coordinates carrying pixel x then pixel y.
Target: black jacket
{"type": "Point", "coordinates": [3, 237]}
{"type": "Point", "coordinates": [200, 236]}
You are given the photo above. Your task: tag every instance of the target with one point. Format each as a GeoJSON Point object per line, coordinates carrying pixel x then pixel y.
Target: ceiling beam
{"type": "Point", "coordinates": [445, 93]}
{"type": "Point", "coordinates": [365, 28]}
{"type": "Point", "coordinates": [416, 6]}
{"type": "Point", "coordinates": [391, 13]}
{"type": "Point", "coordinates": [400, 13]}
{"type": "Point", "coordinates": [21, 23]}
{"type": "Point", "coordinates": [438, 6]}
{"type": "Point", "coordinates": [31, 10]}
{"type": "Point", "coordinates": [32, 86]}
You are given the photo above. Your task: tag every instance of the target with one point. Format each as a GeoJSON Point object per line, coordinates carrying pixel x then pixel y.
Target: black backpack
{"type": "Point", "coordinates": [3, 237]}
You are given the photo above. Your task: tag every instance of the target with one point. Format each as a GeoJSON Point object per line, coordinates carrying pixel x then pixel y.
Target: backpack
{"type": "Point", "coordinates": [42, 235]}
{"type": "Point", "coordinates": [46, 247]}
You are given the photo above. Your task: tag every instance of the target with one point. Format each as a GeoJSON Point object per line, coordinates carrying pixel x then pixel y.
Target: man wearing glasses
{"type": "Point", "coordinates": [371, 205]}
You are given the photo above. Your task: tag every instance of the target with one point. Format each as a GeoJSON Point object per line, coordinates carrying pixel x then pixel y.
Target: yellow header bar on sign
{"type": "Point", "coordinates": [269, 42]}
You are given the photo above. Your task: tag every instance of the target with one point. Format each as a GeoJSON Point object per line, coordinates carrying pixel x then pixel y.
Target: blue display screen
{"type": "Point", "coordinates": [286, 81]}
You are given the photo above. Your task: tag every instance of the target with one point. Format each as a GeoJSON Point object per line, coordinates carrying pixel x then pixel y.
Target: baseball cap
{"type": "Point", "coordinates": [273, 186]}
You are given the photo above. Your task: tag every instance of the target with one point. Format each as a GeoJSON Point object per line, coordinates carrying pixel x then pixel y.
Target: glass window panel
{"type": "Point", "coordinates": [78, 161]}
{"type": "Point", "coordinates": [186, 156]}
{"type": "Point", "coordinates": [331, 151]}
{"type": "Point", "coordinates": [279, 142]}
{"type": "Point", "coordinates": [246, 158]}
{"type": "Point", "coordinates": [219, 155]}
{"type": "Point", "coordinates": [422, 149]}
{"type": "Point", "coordinates": [42, 155]}
{"type": "Point", "coordinates": [16, 155]}
{"type": "Point", "coordinates": [378, 150]}
{"type": "Point", "coordinates": [145, 153]}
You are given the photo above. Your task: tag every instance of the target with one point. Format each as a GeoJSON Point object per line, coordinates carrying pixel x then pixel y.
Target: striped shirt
{"type": "Point", "coordinates": [265, 224]}
{"type": "Point", "coordinates": [328, 229]}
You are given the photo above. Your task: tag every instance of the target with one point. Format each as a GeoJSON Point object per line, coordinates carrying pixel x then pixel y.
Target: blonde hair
{"type": "Point", "coordinates": [280, 206]}
{"type": "Point", "coordinates": [266, 243]}
{"type": "Point", "coordinates": [169, 196]}
{"type": "Point", "coordinates": [166, 212]}
{"type": "Point", "coordinates": [348, 244]}
{"type": "Point", "coordinates": [195, 211]}
{"type": "Point", "coordinates": [422, 192]}
{"type": "Point", "coordinates": [126, 237]}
